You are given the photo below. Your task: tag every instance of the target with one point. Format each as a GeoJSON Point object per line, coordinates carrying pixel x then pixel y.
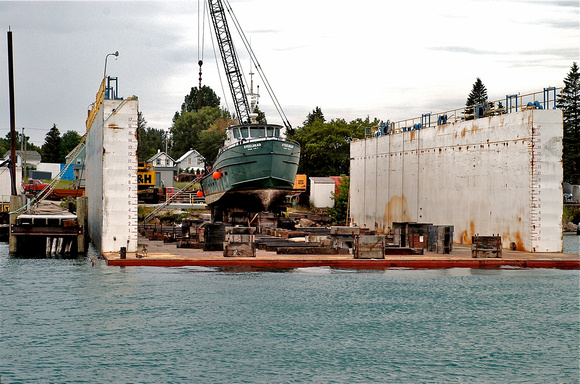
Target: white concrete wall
{"type": "Point", "coordinates": [497, 175]}
{"type": "Point", "coordinates": [53, 168]}
{"type": "Point", "coordinates": [6, 183]}
{"type": "Point", "coordinates": [111, 183]}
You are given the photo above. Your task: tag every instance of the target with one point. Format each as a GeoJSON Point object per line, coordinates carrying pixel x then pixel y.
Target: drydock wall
{"type": "Point", "coordinates": [111, 183]}
{"type": "Point", "coordinates": [496, 175]}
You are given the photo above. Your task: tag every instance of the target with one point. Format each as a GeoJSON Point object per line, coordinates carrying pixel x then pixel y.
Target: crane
{"type": "Point", "coordinates": [230, 60]}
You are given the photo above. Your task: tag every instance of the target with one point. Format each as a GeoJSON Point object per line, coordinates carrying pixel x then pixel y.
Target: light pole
{"type": "Point", "coordinates": [116, 54]}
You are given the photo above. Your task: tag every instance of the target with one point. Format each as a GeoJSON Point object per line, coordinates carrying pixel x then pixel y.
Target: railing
{"type": "Point", "coordinates": [548, 99]}
{"type": "Point", "coordinates": [186, 197]}
{"type": "Point", "coordinates": [97, 104]}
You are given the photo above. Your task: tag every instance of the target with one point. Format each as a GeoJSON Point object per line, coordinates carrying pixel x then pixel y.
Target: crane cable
{"type": "Point", "coordinates": [254, 59]}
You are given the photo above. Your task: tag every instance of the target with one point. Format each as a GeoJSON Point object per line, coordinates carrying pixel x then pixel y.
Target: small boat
{"type": "Point", "coordinates": [254, 170]}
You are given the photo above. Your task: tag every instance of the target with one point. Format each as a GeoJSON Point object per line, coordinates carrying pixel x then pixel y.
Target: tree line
{"type": "Point", "coordinates": [54, 149]}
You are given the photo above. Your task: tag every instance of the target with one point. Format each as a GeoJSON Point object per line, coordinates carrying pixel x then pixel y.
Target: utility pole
{"type": "Point", "coordinates": [12, 119]}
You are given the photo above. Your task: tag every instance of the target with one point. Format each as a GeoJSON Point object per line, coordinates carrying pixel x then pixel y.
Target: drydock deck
{"type": "Point", "coordinates": [168, 255]}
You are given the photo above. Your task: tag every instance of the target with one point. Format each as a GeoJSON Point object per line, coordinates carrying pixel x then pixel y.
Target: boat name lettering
{"type": "Point", "coordinates": [287, 146]}
{"type": "Point", "coordinates": [250, 147]}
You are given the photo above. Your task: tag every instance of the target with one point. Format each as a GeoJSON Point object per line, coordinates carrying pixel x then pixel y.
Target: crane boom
{"type": "Point", "coordinates": [230, 60]}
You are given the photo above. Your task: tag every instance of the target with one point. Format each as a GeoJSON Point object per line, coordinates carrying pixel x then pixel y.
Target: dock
{"type": "Point", "coordinates": [161, 254]}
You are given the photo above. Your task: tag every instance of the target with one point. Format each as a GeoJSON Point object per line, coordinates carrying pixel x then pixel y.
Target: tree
{"type": "Point", "coordinates": [570, 104]}
{"type": "Point", "coordinates": [69, 141]}
{"type": "Point", "coordinates": [191, 102]}
{"type": "Point", "coordinates": [187, 127]}
{"type": "Point", "coordinates": [339, 212]}
{"type": "Point", "coordinates": [149, 140]}
{"type": "Point", "coordinates": [477, 96]}
{"type": "Point", "coordinates": [51, 147]}
{"type": "Point", "coordinates": [316, 114]}
{"type": "Point", "coordinates": [325, 147]}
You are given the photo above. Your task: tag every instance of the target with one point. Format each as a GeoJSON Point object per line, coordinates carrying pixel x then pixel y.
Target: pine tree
{"type": "Point", "coordinates": [477, 96]}
{"type": "Point", "coordinates": [316, 114]}
{"type": "Point", "coordinates": [570, 105]}
{"type": "Point", "coordinates": [51, 147]}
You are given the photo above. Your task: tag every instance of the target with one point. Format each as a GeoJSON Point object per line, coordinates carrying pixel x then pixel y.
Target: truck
{"type": "Point", "coordinates": [33, 186]}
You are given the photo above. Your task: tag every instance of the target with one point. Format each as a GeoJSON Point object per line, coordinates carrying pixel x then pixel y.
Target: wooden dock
{"type": "Point", "coordinates": [161, 254]}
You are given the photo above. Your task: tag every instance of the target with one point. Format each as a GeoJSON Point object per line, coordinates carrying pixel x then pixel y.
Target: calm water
{"type": "Point", "coordinates": [68, 321]}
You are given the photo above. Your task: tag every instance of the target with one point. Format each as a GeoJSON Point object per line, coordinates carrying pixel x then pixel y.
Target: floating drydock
{"type": "Point", "coordinates": [167, 255]}
{"type": "Point", "coordinates": [495, 172]}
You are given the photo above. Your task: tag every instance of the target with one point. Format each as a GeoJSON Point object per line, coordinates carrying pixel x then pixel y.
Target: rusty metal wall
{"type": "Point", "coordinates": [496, 175]}
{"type": "Point", "coordinates": [111, 183]}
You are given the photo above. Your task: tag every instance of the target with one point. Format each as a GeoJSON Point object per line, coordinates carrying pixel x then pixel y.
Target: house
{"type": "Point", "coordinates": [192, 161]}
{"type": "Point", "coordinates": [165, 169]}
{"type": "Point", "coordinates": [32, 158]}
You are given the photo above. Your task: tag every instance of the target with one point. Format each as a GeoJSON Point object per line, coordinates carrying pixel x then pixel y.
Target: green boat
{"type": "Point", "coordinates": [254, 170]}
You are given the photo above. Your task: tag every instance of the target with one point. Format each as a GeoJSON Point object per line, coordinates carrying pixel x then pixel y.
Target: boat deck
{"type": "Point", "coordinates": [168, 255]}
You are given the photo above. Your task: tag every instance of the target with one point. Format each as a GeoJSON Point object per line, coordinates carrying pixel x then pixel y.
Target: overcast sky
{"type": "Point", "coordinates": [386, 59]}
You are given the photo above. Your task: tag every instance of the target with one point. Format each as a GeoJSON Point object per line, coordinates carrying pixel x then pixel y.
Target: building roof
{"type": "Point", "coordinates": [159, 154]}
{"type": "Point", "coordinates": [31, 156]}
{"type": "Point", "coordinates": [187, 154]}
{"type": "Point", "coordinates": [322, 180]}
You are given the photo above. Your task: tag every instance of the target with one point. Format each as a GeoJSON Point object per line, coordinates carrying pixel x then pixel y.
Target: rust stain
{"type": "Point", "coordinates": [412, 135]}
{"type": "Point", "coordinates": [463, 132]}
{"type": "Point", "coordinates": [519, 242]}
{"type": "Point", "coordinates": [472, 228]}
{"type": "Point", "coordinates": [396, 210]}
{"type": "Point", "coordinates": [464, 238]}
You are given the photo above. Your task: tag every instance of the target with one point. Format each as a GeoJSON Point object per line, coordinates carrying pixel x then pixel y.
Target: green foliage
{"type": "Point", "coordinates": [325, 147]}
{"type": "Point", "coordinates": [51, 150]}
{"type": "Point", "coordinates": [187, 127]}
{"type": "Point", "coordinates": [191, 102]}
{"type": "Point", "coordinates": [570, 105]}
{"type": "Point", "coordinates": [209, 143]}
{"type": "Point", "coordinates": [149, 141]}
{"type": "Point", "coordinates": [339, 212]}
{"type": "Point", "coordinates": [5, 144]}
{"type": "Point", "coordinates": [69, 141]}
{"type": "Point", "coordinates": [571, 214]}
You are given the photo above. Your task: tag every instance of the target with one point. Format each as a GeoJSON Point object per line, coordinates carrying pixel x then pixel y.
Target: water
{"type": "Point", "coordinates": [69, 321]}
{"type": "Point", "coordinates": [571, 243]}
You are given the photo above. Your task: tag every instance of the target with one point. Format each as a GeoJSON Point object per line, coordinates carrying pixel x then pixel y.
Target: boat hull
{"type": "Point", "coordinates": [252, 175]}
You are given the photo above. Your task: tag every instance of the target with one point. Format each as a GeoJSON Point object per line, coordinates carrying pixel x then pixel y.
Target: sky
{"type": "Point", "coordinates": [385, 59]}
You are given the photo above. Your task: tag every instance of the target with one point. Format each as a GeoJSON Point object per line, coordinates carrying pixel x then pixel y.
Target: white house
{"type": "Point", "coordinates": [161, 159]}
{"type": "Point", "coordinates": [192, 160]}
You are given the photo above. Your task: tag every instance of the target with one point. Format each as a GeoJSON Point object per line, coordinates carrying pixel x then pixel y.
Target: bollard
{"type": "Point", "coordinates": [123, 253]}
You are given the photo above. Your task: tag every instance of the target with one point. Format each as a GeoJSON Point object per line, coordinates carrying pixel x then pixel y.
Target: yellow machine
{"type": "Point", "coordinates": [300, 183]}
{"type": "Point", "coordinates": [146, 190]}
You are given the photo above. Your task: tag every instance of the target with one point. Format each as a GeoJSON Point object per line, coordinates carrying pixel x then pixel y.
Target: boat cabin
{"type": "Point", "coordinates": [248, 132]}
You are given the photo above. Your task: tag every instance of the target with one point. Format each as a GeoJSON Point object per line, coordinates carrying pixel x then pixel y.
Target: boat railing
{"type": "Point", "coordinates": [546, 99]}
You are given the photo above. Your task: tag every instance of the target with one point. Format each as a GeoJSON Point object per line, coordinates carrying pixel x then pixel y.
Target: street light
{"type": "Point", "coordinates": [116, 54]}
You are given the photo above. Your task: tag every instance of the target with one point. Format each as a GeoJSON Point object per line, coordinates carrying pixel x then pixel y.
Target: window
{"type": "Point", "coordinates": [244, 132]}
{"type": "Point", "coordinates": [258, 132]}
{"type": "Point", "coordinates": [158, 162]}
{"type": "Point", "coordinates": [270, 131]}
{"type": "Point", "coordinates": [189, 161]}
{"type": "Point", "coordinates": [236, 133]}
